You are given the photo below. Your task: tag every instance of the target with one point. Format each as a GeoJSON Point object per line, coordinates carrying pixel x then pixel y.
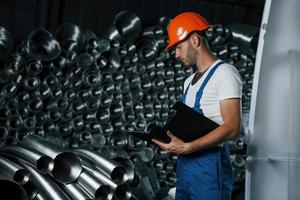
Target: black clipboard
{"type": "Point", "coordinates": [155, 132]}
{"type": "Point", "coordinates": [187, 124]}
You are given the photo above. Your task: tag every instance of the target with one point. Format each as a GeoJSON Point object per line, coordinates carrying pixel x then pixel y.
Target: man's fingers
{"type": "Point", "coordinates": [170, 134]}
{"type": "Point", "coordinates": [161, 144]}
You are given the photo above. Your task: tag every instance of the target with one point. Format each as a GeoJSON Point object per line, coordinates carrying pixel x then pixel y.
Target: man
{"type": "Point", "coordinates": [204, 169]}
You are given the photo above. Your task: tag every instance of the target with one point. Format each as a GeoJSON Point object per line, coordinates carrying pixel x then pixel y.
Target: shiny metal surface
{"type": "Point", "coordinates": [121, 191]}
{"type": "Point", "coordinates": [30, 189]}
{"type": "Point", "coordinates": [43, 163]}
{"type": "Point", "coordinates": [94, 187]}
{"type": "Point", "coordinates": [39, 196]}
{"type": "Point", "coordinates": [67, 165]}
{"type": "Point", "coordinates": [111, 168]}
{"type": "Point", "coordinates": [75, 191]}
{"type": "Point", "coordinates": [48, 188]}
{"type": "Point", "coordinates": [13, 171]}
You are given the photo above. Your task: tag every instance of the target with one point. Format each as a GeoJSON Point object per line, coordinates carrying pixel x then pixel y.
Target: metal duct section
{"type": "Point", "coordinates": [67, 165]}
{"type": "Point", "coordinates": [48, 188]}
{"type": "Point", "coordinates": [112, 169]}
{"type": "Point", "coordinates": [126, 26]}
{"type": "Point", "coordinates": [121, 191]}
{"type": "Point", "coordinates": [31, 189]}
{"type": "Point", "coordinates": [94, 187]}
{"type": "Point", "coordinates": [43, 163]}
{"type": "Point", "coordinates": [11, 189]}
{"type": "Point", "coordinates": [75, 191]}
{"type": "Point", "coordinates": [13, 171]}
{"type": "Point", "coordinates": [39, 196]}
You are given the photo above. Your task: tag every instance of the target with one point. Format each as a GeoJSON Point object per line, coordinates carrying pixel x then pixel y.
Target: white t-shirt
{"type": "Point", "coordinates": [225, 83]}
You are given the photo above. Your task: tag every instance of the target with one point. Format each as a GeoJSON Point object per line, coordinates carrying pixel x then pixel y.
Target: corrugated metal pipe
{"type": "Point", "coordinates": [94, 187]}
{"type": "Point", "coordinates": [67, 165]}
{"type": "Point", "coordinates": [43, 163]}
{"type": "Point", "coordinates": [11, 189]}
{"type": "Point", "coordinates": [117, 172]}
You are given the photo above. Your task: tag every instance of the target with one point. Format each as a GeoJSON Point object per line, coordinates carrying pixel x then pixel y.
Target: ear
{"type": "Point", "coordinates": [196, 40]}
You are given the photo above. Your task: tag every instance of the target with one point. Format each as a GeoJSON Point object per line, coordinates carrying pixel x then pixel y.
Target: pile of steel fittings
{"type": "Point", "coordinates": [67, 97]}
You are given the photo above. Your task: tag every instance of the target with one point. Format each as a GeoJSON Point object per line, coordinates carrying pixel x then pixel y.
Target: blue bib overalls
{"type": "Point", "coordinates": [205, 175]}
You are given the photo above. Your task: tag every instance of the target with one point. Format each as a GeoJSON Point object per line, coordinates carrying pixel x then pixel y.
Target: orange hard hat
{"type": "Point", "coordinates": [183, 24]}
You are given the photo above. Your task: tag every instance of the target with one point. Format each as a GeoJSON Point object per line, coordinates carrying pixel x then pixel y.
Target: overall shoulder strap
{"type": "Point", "coordinates": [203, 85]}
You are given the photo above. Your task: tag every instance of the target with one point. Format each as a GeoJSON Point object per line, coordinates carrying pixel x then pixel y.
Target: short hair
{"type": "Point", "coordinates": [201, 33]}
{"type": "Point", "coordinates": [203, 36]}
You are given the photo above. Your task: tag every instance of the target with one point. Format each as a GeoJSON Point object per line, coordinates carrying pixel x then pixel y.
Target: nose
{"type": "Point", "coordinates": [177, 54]}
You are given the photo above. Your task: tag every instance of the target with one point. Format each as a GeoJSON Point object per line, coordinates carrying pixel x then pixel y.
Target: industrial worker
{"type": "Point", "coordinates": [204, 170]}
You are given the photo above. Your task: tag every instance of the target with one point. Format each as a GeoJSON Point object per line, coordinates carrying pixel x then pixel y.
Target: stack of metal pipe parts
{"type": "Point", "coordinates": [66, 99]}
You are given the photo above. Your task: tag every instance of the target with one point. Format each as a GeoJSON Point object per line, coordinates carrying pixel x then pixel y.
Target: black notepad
{"type": "Point", "coordinates": [187, 124]}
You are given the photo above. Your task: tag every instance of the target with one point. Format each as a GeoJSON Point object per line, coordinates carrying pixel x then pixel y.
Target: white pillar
{"type": "Point", "coordinates": [273, 167]}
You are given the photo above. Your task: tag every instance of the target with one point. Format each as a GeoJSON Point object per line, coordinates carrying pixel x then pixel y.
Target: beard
{"type": "Point", "coordinates": [190, 59]}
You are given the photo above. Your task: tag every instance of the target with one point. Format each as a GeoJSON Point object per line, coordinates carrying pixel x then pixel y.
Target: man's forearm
{"type": "Point", "coordinates": [219, 135]}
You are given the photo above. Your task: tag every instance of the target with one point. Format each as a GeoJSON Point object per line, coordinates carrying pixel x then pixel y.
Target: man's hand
{"type": "Point", "coordinates": [176, 145]}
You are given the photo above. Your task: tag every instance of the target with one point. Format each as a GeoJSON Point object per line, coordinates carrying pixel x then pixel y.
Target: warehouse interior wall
{"type": "Point", "coordinates": [21, 17]}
